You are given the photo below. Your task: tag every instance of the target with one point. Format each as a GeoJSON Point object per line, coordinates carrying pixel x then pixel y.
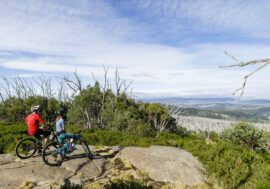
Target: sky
{"type": "Point", "coordinates": [166, 47]}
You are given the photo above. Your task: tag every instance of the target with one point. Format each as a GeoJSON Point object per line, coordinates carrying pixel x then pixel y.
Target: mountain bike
{"type": "Point", "coordinates": [27, 147]}
{"type": "Point", "coordinates": [54, 153]}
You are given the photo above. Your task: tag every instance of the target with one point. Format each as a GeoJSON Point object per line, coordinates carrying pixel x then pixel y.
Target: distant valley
{"type": "Point", "coordinates": [220, 108]}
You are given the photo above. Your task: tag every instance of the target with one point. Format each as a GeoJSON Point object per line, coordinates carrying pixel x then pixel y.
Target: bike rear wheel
{"type": "Point", "coordinates": [86, 149]}
{"type": "Point", "coordinates": [26, 148]}
{"type": "Point", "coordinates": [52, 155]}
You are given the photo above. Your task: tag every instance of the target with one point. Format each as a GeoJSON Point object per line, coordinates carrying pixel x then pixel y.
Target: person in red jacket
{"type": "Point", "coordinates": [33, 120]}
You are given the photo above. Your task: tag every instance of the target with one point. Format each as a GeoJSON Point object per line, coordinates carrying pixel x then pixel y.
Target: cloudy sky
{"type": "Point", "coordinates": [166, 47]}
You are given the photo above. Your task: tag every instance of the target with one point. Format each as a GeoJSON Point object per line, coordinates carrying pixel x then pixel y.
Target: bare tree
{"type": "Point", "coordinates": [121, 86]}
{"type": "Point", "coordinates": [60, 94]}
{"type": "Point", "coordinates": [74, 84]}
{"type": "Point", "coordinates": [6, 86]}
{"type": "Point", "coordinates": [104, 89]}
{"type": "Point", "coordinates": [31, 89]}
{"type": "Point", "coordinates": [40, 84]}
{"type": "Point", "coordinates": [2, 98]}
{"type": "Point", "coordinates": [173, 112]}
{"type": "Point", "coordinates": [262, 62]}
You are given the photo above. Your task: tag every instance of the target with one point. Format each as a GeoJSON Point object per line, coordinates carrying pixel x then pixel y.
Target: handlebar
{"type": "Point", "coordinates": [81, 130]}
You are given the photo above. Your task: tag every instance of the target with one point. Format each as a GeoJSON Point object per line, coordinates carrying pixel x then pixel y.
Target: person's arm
{"type": "Point", "coordinates": [63, 126]}
{"type": "Point", "coordinates": [43, 123]}
{"type": "Point", "coordinates": [26, 119]}
{"type": "Point", "coordinates": [64, 129]}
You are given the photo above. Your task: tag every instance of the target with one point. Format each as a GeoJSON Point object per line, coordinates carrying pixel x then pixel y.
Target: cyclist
{"type": "Point", "coordinates": [33, 120]}
{"type": "Point", "coordinates": [61, 130]}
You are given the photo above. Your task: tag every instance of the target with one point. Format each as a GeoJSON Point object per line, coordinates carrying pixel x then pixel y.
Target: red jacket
{"type": "Point", "coordinates": [33, 121]}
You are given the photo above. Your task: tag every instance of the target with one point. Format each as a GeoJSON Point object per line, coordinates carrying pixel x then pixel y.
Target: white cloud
{"type": "Point", "coordinates": [161, 68]}
{"type": "Point", "coordinates": [242, 17]}
{"type": "Point", "coordinates": [87, 35]}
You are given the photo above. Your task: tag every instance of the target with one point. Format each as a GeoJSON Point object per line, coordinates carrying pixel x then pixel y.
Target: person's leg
{"type": "Point", "coordinates": [61, 138]}
{"type": "Point", "coordinates": [37, 136]}
{"type": "Point", "coordinates": [71, 136]}
{"type": "Point", "coordinates": [46, 135]}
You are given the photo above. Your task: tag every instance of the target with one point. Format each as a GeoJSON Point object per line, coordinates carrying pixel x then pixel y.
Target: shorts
{"type": "Point", "coordinates": [41, 132]}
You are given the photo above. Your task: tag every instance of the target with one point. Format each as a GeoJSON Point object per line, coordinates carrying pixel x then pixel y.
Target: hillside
{"type": "Point", "coordinates": [256, 115]}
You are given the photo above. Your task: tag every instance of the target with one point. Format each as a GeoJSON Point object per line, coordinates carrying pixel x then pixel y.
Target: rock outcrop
{"type": "Point", "coordinates": [166, 164]}
{"type": "Point", "coordinates": [76, 169]}
{"type": "Point", "coordinates": [158, 166]}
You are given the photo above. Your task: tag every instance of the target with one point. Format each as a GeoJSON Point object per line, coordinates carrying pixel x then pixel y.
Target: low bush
{"type": "Point", "coordinates": [10, 134]}
{"type": "Point", "coordinates": [121, 184]}
{"type": "Point", "coordinates": [246, 135]}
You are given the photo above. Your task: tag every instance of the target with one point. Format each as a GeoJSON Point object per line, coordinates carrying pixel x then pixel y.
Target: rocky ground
{"type": "Point", "coordinates": [159, 166]}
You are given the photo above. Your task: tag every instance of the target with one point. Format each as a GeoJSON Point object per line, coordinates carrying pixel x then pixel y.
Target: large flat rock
{"type": "Point", "coordinates": [166, 164]}
{"type": "Point", "coordinates": [15, 171]}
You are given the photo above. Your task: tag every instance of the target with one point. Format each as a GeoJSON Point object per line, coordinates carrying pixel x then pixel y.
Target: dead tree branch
{"type": "Point", "coordinates": [75, 85]}
{"type": "Point", "coordinates": [264, 63]}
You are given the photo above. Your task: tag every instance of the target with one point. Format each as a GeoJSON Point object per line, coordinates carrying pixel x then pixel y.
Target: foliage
{"type": "Point", "coordinates": [246, 135]}
{"type": "Point", "coordinates": [97, 109]}
{"type": "Point", "coordinates": [104, 110]}
{"type": "Point", "coordinates": [265, 184]}
{"type": "Point", "coordinates": [122, 184]}
{"type": "Point", "coordinates": [15, 109]}
{"type": "Point", "coordinates": [10, 134]}
{"type": "Point", "coordinates": [68, 185]}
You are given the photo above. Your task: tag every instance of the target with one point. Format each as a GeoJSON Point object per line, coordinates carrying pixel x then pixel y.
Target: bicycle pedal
{"type": "Point", "coordinates": [71, 149]}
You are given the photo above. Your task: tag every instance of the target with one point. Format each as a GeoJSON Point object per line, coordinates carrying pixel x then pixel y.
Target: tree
{"type": "Point", "coordinates": [246, 135]}
{"type": "Point", "coordinates": [159, 117]}
{"type": "Point", "coordinates": [86, 106]}
{"type": "Point", "coordinates": [263, 63]}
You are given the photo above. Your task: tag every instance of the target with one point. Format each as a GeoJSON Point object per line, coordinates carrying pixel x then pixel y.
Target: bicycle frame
{"type": "Point", "coordinates": [64, 150]}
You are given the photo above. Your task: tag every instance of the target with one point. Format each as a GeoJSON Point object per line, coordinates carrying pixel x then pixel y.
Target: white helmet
{"type": "Point", "coordinates": [34, 108]}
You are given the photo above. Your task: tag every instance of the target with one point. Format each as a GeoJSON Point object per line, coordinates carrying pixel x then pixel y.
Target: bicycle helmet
{"type": "Point", "coordinates": [61, 112]}
{"type": "Point", "coordinates": [34, 108]}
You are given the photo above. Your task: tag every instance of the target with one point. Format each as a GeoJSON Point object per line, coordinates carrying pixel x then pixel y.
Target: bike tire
{"type": "Point", "coordinates": [86, 149]}
{"type": "Point", "coordinates": [50, 155]}
{"type": "Point", "coordinates": [26, 148]}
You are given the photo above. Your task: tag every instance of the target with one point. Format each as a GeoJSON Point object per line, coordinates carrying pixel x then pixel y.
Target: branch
{"type": "Point", "coordinates": [242, 64]}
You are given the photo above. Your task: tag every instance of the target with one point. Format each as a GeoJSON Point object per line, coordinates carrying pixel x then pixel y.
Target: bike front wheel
{"type": "Point", "coordinates": [26, 148]}
{"type": "Point", "coordinates": [86, 149]}
{"type": "Point", "coordinates": [53, 154]}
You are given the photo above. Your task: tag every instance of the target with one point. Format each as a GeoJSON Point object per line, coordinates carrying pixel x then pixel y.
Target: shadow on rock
{"type": "Point", "coordinates": [106, 154]}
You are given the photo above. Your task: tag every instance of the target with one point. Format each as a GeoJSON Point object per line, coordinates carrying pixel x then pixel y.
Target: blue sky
{"type": "Point", "coordinates": [167, 47]}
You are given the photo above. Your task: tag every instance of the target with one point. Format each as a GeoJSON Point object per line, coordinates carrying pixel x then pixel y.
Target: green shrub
{"type": "Point", "coordinates": [246, 135]}
{"type": "Point", "coordinates": [265, 184]}
{"type": "Point", "coordinates": [10, 134]}
{"type": "Point", "coordinates": [120, 184]}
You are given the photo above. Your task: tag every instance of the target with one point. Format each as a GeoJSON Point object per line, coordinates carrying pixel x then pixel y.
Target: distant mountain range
{"type": "Point", "coordinates": [211, 103]}
{"type": "Point", "coordinates": [219, 108]}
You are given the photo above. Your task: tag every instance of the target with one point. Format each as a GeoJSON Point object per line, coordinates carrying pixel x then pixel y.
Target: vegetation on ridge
{"type": "Point", "coordinates": [232, 165]}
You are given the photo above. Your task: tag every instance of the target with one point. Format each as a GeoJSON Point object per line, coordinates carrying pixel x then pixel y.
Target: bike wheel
{"type": "Point", "coordinates": [26, 148]}
{"type": "Point", "coordinates": [52, 155]}
{"type": "Point", "coordinates": [86, 149]}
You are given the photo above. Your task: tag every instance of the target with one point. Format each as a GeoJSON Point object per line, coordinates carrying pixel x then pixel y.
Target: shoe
{"type": "Point", "coordinates": [72, 149]}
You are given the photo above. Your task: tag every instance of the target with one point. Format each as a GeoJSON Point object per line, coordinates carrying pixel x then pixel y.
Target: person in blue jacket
{"type": "Point", "coordinates": [61, 130]}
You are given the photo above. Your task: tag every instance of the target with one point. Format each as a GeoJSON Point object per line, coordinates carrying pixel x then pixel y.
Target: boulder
{"type": "Point", "coordinates": [166, 164]}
